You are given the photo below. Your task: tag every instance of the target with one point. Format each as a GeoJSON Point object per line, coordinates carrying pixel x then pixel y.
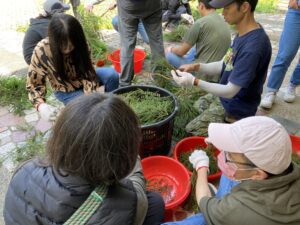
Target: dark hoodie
{"type": "Point", "coordinates": [38, 30]}
{"type": "Point", "coordinates": [274, 201]}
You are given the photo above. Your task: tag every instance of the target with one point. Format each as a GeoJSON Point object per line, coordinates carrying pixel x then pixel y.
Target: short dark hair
{"type": "Point", "coordinates": [206, 3]}
{"type": "Point", "coordinates": [252, 3]}
{"type": "Point", "coordinates": [96, 137]}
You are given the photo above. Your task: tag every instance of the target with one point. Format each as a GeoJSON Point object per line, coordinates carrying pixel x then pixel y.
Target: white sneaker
{"type": "Point", "coordinates": [290, 94]}
{"type": "Point", "coordinates": [268, 100]}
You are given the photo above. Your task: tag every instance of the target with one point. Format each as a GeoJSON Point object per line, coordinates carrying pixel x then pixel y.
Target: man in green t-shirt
{"type": "Point", "coordinates": [206, 41]}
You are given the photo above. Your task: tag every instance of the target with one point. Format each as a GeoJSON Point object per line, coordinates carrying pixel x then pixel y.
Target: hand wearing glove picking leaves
{"type": "Point", "coordinates": [199, 159]}
{"type": "Point", "coordinates": [183, 78]}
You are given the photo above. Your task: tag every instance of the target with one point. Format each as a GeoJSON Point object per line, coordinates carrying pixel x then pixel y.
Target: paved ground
{"type": "Point", "coordinates": [16, 12]}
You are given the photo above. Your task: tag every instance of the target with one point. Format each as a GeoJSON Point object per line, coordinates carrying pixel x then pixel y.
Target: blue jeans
{"type": "Point", "coordinates": [177, 61]}
{"type": "Point", "coordinates": [141, 29]}
{"type": "Point", "coordinates": [107, 76]}
{"type": "Point", "coordinates": [198, 219]}
{"type": "Point", "coordinates": [288, 48]}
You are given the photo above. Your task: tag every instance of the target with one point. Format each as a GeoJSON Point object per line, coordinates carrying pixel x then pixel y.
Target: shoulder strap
{"type": "Point", "coordinates": [87, 209]}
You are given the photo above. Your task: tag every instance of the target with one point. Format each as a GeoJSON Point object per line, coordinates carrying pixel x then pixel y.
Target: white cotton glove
{"type": "Point", "coordinates": [183, 78]}
{"type": "Point", "coordinates": [188, 18]}
{"type": "Point", "coordinates": [89, 7]}
{"type": "Point", "coordinates": [47, 112]}
{"type": "Point", "coordinates": [199, 159]}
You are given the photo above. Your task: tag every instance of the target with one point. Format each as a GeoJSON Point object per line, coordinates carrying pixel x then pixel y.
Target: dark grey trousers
{"type": "Point", "coordinates": [130, 12]}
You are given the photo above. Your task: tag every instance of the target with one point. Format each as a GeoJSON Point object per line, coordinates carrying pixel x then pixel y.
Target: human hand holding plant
{"type": "Point", "coordinates": [183, 78]}
{"type": "Point", "coordinates": [199, 159]}
{"type": "Point", "coordinates": [189, 67]}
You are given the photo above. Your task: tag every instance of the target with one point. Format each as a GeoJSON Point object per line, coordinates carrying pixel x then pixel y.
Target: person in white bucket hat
{"type": "Point", "coordinates": [255, 160]}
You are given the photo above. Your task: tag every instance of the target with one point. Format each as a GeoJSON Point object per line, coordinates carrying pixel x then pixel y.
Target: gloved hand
{"type": "Point", "coordinates": [199, 159]}
{"type": "Point", "coordinates": [89, 7]}
{"type": "Point", "coordinates": [188, 18]}
{"type": "Point", "coordinates": [47, 112]}
{"type": "Point", "coordinates": [183, 78]}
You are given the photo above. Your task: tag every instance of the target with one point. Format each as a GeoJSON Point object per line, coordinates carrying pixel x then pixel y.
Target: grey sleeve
{"type": "Point", "coordinates": [138, 180]}
{"type": "Point", "coordinates": [29, 42]}
{"type": "Point", "coordinates": [221, 211]}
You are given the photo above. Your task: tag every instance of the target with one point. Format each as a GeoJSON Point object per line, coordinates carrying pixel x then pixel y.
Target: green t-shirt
{"type": "Point", "coordinates": [211, 35]}
{"type": "Point", "coordinates": [274, 201]}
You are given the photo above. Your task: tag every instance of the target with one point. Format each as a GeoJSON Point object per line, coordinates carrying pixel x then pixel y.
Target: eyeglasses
{"type": "Point", "coordinates": [227, 159]}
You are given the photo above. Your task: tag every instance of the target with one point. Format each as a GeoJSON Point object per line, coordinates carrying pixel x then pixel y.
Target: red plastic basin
{"type": "Point", "coordinates": [138, 59]}
{"type": "Point", "coordinates": [187, 145]}
{"type": "Point", "coordinates": [168, 173]}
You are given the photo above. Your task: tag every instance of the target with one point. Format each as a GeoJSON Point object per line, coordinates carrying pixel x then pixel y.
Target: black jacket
{"type": "Point", "coordinates": [38, 30]}
{"type": "Point", "coordinates": [38, 195]}
{"type": "Point", "coordinates": [172, 5]}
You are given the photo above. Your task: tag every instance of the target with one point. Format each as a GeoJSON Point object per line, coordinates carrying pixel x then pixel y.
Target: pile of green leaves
{"type": "Point", "coordinates": [90, 24]}
{"type": "Point", "coordinates": [177, 34]}
{"type": "Point", "coordinates": [143, 102]}
{"type": "Point", "coordinates": [13, 93]}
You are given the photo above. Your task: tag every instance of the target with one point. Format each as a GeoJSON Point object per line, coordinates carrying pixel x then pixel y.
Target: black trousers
{"type": "Point", "coordinates": [156, 209]}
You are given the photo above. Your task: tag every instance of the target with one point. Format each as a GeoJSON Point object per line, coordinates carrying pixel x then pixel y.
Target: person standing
{"type": "Point", "coordinates": [243, 69]}
{"type": "Point", "coordinates": [115, 20]}
{"type": "Point", "coordinates": [206, 41]}
{"type": "Point", "coordinates": [130, 13]}
{"type": "Point", "coordinates": [288, 48]}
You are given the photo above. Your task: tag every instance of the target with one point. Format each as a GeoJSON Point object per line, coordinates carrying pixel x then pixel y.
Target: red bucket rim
{"type": "Point", "coordinates": [117, 51]}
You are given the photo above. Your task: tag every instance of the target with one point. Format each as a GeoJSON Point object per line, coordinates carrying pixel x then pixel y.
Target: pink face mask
{"type": "Point", "coordinates": [227, 169]}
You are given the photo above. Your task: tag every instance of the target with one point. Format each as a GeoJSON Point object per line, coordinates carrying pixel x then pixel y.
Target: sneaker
{"type": "Point", "coordinates": [268, 100]}
{"type": "Point", "coordinates": [290, 94]}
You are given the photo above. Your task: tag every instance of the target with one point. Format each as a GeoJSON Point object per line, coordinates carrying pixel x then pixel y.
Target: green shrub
{"type": "Point", "coordinates": [266, 6]}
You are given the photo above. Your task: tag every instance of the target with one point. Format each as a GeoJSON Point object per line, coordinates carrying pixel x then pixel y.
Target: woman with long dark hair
{"type": "Point", "coordinates": [64, 60]}
{"type": "Point", "coordinates": [98, 150]}
{"type": "Point", "coordinates": [38, 27]}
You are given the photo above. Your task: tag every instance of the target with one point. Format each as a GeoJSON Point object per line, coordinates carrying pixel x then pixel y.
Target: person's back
{"type": "Point", "coordinates": [213, 38]}
{"type": "Point", "coordinates": [52, 198]}
{"type": "Point", "coordinates": [38, 27]}
{"type": "Point", "coordinates": [38, 30]}
{"type": "Point", "coordinates": [85, 158]}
